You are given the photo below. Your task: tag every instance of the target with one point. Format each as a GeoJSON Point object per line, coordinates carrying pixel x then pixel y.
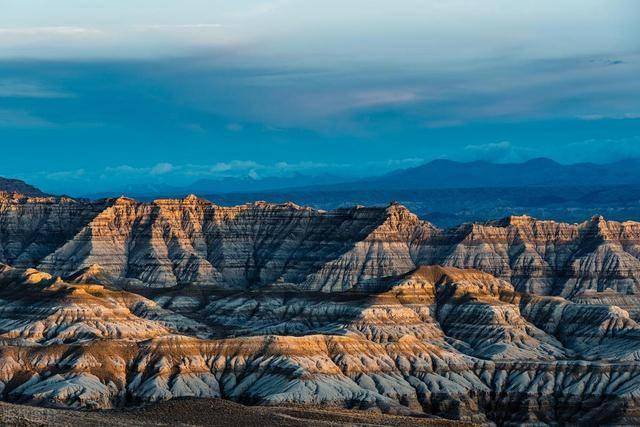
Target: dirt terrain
{"type": "Point", "coordinates": [206, 412]}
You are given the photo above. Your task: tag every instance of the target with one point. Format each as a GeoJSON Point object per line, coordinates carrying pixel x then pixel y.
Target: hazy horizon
{"type": "Point", "coordinates": [156, 185]}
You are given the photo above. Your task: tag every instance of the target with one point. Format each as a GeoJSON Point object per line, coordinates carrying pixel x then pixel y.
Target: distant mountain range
{"type": "Point", "coordinates": [447, 207]}
{"type": "Point", "coordinates": [482, 174]}
{"type": "Point", "coordinates": [221, 186]}
{"type": "Point", "coordinates": [230, 185]}
{"type": "Point", "coordinates": [449, 193]}
{"type": "Point", "coordinates": [442, 191]}
{"type": "Point", "coordinates": [437, 174]}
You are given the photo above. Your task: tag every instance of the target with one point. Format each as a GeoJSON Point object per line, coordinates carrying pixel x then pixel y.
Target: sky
{"type": "Point", "coordinates": [96, 94]}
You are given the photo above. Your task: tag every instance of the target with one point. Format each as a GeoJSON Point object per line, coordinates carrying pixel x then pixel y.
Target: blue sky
{"type": "Point", "coordinates": [97, 94]}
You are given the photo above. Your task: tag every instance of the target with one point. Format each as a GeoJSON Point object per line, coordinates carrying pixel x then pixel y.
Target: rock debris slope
{"type": "Point", "coordinates": [116, 302]}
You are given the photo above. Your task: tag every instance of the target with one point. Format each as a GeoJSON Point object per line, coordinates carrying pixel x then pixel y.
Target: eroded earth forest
{"type": "Point", "coordinates": [117, 303]}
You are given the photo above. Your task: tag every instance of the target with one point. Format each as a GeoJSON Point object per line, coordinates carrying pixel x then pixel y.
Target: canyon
{"type": "Point", "coordinates": [115, 303]}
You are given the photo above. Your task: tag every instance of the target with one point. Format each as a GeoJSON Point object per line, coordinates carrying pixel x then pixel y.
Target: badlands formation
{"type": "Point", "coordinates": [116, 303]}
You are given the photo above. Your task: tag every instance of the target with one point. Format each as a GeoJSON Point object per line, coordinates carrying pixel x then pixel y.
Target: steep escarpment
{"type": "Point", "coordinates": [545, 257]}
{"type": "Point", "coordinates": [509, 321]}
{"type": "Point", "coordinates": [33, 227]}
{"type": "Point", "coordinates": [169, 243]}
{"type": "Point", "coordinates": [384, 251]}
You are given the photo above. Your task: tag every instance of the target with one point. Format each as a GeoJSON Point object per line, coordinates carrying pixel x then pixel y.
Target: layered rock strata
{"type": "Point", "coordinates": [171, 243]}
{"type": "Point", "coordinates": [34, 227]}
{"type": "Point", "coordinates": [117, 302]}
{"type": "Point", "coordinates": [455, 343]}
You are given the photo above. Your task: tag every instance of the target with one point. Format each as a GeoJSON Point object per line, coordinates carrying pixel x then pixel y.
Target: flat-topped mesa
{"type": "Point", "coordinates": [627, 232]}
{"type": "Point", "coordinates": [596, 226]}
{"type": "Point", "coordinates": [267, 205]}
{"type": "Point", "coordinates": [515, 228]}
{"type": "Point", "coordinates": [188, 200]}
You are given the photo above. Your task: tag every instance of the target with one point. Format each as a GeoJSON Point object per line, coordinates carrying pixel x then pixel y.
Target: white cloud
{"type": "Point", "coordinates": [375, 98]}
{"type": "Point", "coordinates": [593, 117]}
{"type": "Point", "coordinates": [67, 175]}
{"type": "Point", "coordinates": [161, 169]}
{"type": "Point", "coordinates": [489, 149]}
{"type": "Point", "coordinates": [48, 31]}
{"type": "Point", "coordinates": [123, 175]}
{"type": "Point", "coordinates": [304, 166]}
{"type": "Point", "coordinates": [401, 163]}
{"type": "Point", "coordinates": [503, 151]}
{"type": "Point", "coordinates": [234, 127]}
{"type": "Point", "coordinates": [164, 27]}
{"type": "Point", "coordinates": [10, 88]}
{"type": "Point", "coordinates": [21, 119]}
{"type": "Point", "coordinates": [407, 31]}
{"type": "Point", "coordinates": [601, 150]}
{"type": "Point", "coordinates": [220, 167]}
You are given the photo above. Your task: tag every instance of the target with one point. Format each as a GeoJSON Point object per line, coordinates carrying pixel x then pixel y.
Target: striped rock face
{"type": "Point", "coordinates": [458, 344]}
{"type": "Point", "coordinates": [173, 243]}
{"type": "Point", "coordinates": [112, 303]}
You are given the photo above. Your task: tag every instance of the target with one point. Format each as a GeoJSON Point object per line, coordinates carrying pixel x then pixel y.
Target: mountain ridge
{"type": "Point", "coordinates": [16, 186]}
{"type": "Point", "coordinates": [444, 173]}
{"type": "Point", "coordinates": [438, 173]}
{"type": "Point", "coordinates": [171, 242]}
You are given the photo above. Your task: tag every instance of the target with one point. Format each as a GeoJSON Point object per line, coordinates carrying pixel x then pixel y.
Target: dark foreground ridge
{"type": "Point", "coordinates": [208, 412]}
